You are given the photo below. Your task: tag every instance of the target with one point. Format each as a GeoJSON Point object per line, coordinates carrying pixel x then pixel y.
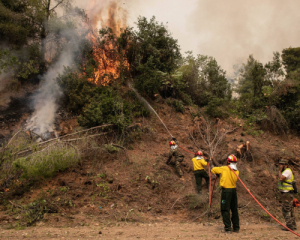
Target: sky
{"type": "Point", "coordinates": [228, 30]}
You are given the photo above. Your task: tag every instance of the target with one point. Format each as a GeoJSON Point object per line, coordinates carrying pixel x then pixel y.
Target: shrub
{"type": "Point", "coordinates": [215, 108]}
{"type": "Point", "coordinates": [47, 162]}
{"type": "Point", "coordinates": [178, 105]}
{"type": "Point", "coordinates": [106, 108]}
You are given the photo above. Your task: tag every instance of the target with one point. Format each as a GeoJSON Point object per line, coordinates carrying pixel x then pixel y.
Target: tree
{"type": "Point", "coordinates": [251, 78]}
{"type": "Point", "coordinates": [23, 29]}
{"type": "Point", "coordinates": [151, 52]}
{"type": "Point", "coordinates": [291, 59]}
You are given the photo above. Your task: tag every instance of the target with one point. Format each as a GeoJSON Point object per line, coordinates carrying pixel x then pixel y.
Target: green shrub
{"type": "Point", "coordinates": [215, 108]}
{"type": "Point", "coordinates": [47, 162]}
{"type": "Point", "coordinates": [106, 108]}
{"type": "Point", "coordinates": [178, 105]}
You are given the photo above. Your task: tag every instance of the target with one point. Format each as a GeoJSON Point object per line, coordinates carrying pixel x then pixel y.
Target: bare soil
{"type": "Point", "coordinates": [148, 231]}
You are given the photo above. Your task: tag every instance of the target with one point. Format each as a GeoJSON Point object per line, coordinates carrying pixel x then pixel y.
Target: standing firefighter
{"type": "Point", "coordinates": [178, 157]}
{"type": "Point", "coordinates": [199, 163]}
{"type": "Point", "coordinates": [229, 196]}
{"type": "Point", "coordinates": [285, 186]}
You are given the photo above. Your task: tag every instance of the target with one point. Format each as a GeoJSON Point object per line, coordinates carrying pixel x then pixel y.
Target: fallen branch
{"type": "Point", "coordinates": [11, 139]}
{"type": "Point", "coordinates": [201, 215]}
{"type": "Point", "coordinates": [89, 136]}
{"type": "Point", "coordinates": [176, 202]}
{"type": "Point", "coordinates": [125, 150]}
{"type": "Point", "coordinates": [16, 205]}
{"type": "Point", "coordinates": [86, 130]}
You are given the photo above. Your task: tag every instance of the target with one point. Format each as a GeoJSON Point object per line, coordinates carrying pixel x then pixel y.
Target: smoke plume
{"type": "Point", "coordinates": [45, 100]}
{"type": "Point", "coordinates": [228, 30]}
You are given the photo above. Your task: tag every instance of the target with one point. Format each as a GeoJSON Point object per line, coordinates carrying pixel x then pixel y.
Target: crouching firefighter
{"type": "Point", "coordinates": [285, 186]}
{"type": "Point", "coordinates": [199, 163]}
{"type": "Point", "coordinates": [174, 151]}
{"type": "Point", "coordinates": [229, 196]}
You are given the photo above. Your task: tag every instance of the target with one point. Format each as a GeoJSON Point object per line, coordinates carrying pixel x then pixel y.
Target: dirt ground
{"type": "Point", "coordinates": [163, 230]}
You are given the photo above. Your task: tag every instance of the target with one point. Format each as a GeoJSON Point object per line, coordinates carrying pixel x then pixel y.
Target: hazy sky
{"type": "Point", "coordinates": [228, 30]}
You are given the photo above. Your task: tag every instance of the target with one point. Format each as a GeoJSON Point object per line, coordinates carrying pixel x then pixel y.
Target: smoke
{"type": "Point", "coordinates": [105, 13]}
{"type": "Point", "coordinates": [46, 100]}
{"type": "Point", "coordinates": [228, 30]}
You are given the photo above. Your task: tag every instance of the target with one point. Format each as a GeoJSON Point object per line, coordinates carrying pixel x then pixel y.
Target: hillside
{"type": "Point", "coordinates": [111, 188]}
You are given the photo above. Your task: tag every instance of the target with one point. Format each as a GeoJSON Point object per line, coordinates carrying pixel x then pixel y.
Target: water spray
{"type": "Point", "coordinates": [148, 106]}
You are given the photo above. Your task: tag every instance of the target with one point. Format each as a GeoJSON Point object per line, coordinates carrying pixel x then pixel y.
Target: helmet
{"type": "Point", "coordinates": [284, 161]}
{"type": "Point", "coordinates": [199, 153]}
{"type": "Point", "coordinates": [232, 158]}
{"type": "Point", "coordinates": [172, 143]}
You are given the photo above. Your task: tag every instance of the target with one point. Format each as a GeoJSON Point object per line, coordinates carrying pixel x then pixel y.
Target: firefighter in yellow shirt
{"type": "Point", "coordinates": [199, 163]}
{"type": "Point", "coordinates": [229, 196]}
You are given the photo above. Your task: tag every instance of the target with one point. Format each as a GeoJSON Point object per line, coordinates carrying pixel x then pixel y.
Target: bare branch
{"type": "Point", "coordinates": [56, 5]}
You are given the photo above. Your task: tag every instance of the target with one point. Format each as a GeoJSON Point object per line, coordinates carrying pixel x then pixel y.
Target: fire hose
{"type": "Point", "coordinates": [211, 194]}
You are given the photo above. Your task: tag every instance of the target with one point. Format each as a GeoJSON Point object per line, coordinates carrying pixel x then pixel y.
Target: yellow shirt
{"type": "Point", "coordinates": [199, 163]}
{"type": "Point", "coordinates": [228, 178]}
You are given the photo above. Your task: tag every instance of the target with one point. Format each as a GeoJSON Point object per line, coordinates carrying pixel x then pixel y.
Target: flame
{"type": "Point", "coordinates": [108, 65]}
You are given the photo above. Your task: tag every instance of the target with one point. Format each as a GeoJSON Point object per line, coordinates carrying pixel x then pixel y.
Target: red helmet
{"type": "Point", "coordinates": [199, 153]}
{"type": "Point", "coordinates": [232, 158]}
{"type": "Point", "coordinates": [172, 143]}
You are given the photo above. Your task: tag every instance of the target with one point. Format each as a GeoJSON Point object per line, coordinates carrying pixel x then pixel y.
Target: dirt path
{"type": "Point", "coordinates": [150, 231]}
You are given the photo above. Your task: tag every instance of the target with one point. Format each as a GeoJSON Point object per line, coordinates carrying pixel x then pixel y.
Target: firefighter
{"type": "Point", "coordinates": [199, 163]}
{"type": "Point", "coordinates": [178, 157]}
{"type": "Point", "coordinates": [285, 186]}
{"type": "Point", "coordinates": [229, 195]}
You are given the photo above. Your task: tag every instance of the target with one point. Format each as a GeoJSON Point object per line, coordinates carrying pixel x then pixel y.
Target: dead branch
{"type": "Point", "coordinates": [11, 139]}
{"type": "Point", "coordinates": [86, 130]}
{"type": "Point", "coordinates": [16, 205]}
{"type": "Point", "coordinates": [201, 215]}
{"type": "Point", "coordinates": [37, 135]}
{"type": "Point", "coordinates": [176, 202]}
{"type": "Point", "coordinates": [125, 150]}
{"type": "Point", "coordinates": [89, 136]}
{"type": "Point", "coordinates": [213, 137]}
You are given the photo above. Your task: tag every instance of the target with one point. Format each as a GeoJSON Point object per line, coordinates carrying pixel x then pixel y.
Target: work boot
{"type": "Point", "coordinates": [236, 230]}
{"type": "Point", "coordinates": [292, 228]}
{"type": "Point", "coordinates": [226, 231]}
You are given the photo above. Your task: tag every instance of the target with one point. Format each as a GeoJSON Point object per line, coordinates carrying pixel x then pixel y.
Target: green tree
{"type": "Point", "coordinates": [291, 59]}
{"type": "Point", "coordinates": [151, 52]}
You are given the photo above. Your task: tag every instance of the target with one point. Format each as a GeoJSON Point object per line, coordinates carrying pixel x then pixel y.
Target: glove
{"type": "Point", "coordinates": [174, 139]}
{"type": "Point", "coordinates": [218, 175]}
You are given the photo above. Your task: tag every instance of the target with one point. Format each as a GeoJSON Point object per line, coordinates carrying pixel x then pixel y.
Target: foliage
{"type": "Point", "coordinates": [24, 26]}
{"type": "Point", "coordinates": [151, 53]}
{"type": "Point", "coordinates": [45, 163]}
{"type": "Point", "coordinates": [291, 59]}
{"type": "Point", "coordinates": [215, 108]}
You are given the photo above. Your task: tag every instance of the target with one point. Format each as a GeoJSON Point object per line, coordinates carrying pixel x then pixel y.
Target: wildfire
{"type": "Point", "coordinates": [108, 64]}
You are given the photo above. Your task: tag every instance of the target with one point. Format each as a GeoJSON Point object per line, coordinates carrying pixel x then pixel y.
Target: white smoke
{"type": "Point", "coordinates": [46, 99]}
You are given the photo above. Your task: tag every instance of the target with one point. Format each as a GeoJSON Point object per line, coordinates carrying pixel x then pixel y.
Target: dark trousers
{"type": "Point", "coordinates": [288, 211]}
{"type": "Point", "coordinates": [229, 202]}
{"type": "Point", "coordinates": [198, 176]}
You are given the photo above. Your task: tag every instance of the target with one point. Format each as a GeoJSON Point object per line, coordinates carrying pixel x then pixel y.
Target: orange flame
{"type": "Point", "coordinates": [108, 66]}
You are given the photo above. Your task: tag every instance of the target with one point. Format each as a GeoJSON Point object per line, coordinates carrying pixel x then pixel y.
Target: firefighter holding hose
{"type": "Point", "coordinates": [199, 163]}
{"type": "Point", "coordinates": [229, 196]}
{"type": "Point", "coordinates": [285, 186]}
{"type": "Point", "coordinates": [174, 151]}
